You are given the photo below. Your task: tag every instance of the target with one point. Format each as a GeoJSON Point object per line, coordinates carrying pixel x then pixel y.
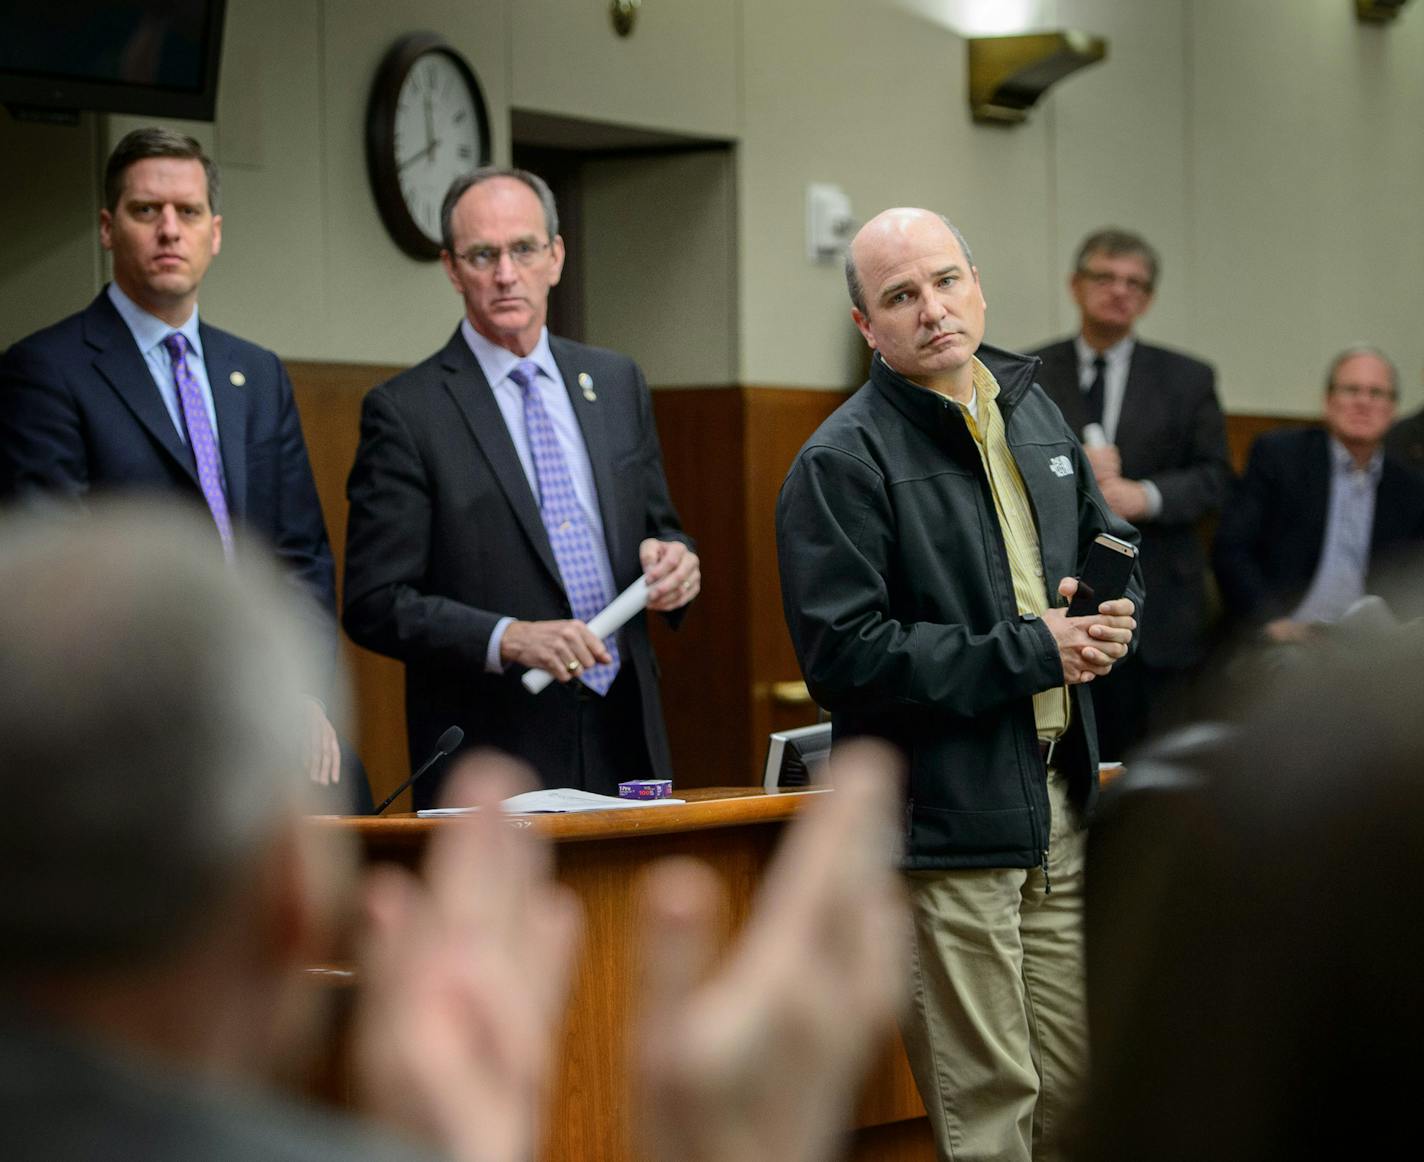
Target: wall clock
{"type": "Point", "coordinates": [426, 124]}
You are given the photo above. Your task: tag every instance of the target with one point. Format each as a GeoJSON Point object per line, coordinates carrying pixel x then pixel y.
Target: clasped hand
{"type": "Point", "coordinates": [1088, 647]}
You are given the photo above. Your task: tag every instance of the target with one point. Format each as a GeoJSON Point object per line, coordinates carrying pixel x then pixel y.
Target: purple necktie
{"type": "Point", "coordinates": [200, 438]}
{"type": "Point", "coordinates": [570, 534]}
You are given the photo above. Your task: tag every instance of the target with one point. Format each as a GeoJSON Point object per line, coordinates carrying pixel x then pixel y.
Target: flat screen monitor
{"type": "Point", "coordinates": [793, 756]}
{"type": "Point", "coordinates": [153, 58]}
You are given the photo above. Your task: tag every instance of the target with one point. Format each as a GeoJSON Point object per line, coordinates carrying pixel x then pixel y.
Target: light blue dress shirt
{"type": "Point", "coordinates": [149, 331]}
{"type": "Point", "coordinates": [1117, 360]}
{"type": "Point", "coordinates": [497, 362]}
{"type": "Point", "coordinates": [1339, 579]}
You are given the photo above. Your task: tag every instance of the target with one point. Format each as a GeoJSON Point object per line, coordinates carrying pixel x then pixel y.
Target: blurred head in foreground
{"type": "Point", "coordinates": [1253, 938]}
{"type": "Point", "coordinates": [152, 736]}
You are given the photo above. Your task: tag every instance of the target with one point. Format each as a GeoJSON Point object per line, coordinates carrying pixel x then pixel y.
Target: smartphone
{"type": "Point", "coordinates": [1104, 576]}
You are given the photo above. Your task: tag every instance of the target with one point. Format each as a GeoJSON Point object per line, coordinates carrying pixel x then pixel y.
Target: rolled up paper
{"type": "Point", "coordinates": [605, 623]}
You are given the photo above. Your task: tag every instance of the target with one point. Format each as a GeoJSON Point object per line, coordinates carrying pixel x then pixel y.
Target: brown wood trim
{"type": "Point", "coordinates": [706, 807]}
{"type": "Point", "coordinates": [1242, 428]}
{"type": "Point", "coordinates": [593, 1113]}
{"type": "Point", "coordinates": [328, 397]}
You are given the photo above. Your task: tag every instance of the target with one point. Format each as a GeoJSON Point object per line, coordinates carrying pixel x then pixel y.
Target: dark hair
{"type": "Point", "coordinates": [852, 276]}
{"type": "Point", "coordinates": [466, 182]}
{"type": "Point", "coordinates": [154, 141]}
{"type": "Point", "coordinates": [1113, 242]}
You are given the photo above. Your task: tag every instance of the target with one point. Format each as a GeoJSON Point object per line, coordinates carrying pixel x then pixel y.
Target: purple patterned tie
{"type": "Point", "coordinates": [200, 437]}
{"type": "Point", "coordinates": [571, 536]}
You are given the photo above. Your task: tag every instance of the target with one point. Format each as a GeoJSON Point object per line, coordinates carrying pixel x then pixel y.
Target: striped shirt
{"type": "Point", "coordinates": [1011, 503]}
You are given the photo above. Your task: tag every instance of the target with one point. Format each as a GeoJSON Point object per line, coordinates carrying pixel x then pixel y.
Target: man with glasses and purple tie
{"type": "Point", "coordinates": [505, 490]}
{"type": "Point", "coordinates": [136, 394]}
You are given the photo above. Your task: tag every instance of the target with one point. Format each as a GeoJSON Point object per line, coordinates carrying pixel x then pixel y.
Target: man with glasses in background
{"type": "Point", "coordinates": [504, 490]}
{"type": "Point", "coordinates": [1321, 510]}
{"type": "Point", "coordinates": [1154, 433]}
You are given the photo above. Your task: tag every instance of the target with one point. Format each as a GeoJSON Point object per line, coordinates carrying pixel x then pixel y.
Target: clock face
{"type": "Point", "coordinates": [426, 124]}
{"type": "Point", "coordinates": [438, 136]}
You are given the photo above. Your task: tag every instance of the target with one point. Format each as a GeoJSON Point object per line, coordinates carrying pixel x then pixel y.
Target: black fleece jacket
{"type": "Point", "coordinates": [900, 602]}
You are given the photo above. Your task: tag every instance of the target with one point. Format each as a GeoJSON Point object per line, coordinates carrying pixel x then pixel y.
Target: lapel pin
{"type": "Point", "coordinates": [586, 382]}
{"type": "Point", "coordinates": [237, 379]}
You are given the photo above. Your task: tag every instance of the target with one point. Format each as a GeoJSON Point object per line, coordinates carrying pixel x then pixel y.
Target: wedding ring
{"type": "Point", "coordinates": [686, 585]}
{"type": "Point", "coordinates": [573, 666]}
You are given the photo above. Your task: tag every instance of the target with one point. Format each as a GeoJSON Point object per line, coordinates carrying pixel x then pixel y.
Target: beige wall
{"type": "Point", "coordinates": [1270, 148]}
{"type": "Point", "coordinates": [659, 247]}
{"type": "Point", "coordinates": [49, 204]}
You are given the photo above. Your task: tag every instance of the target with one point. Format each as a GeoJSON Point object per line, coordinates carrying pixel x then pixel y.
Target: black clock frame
{"type": "Point", "coordinates": [381, 134]}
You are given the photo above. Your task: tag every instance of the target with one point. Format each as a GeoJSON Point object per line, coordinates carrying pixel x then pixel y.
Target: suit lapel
{"type": "Point", "coordinates": [120, 364]}
{"type": "Point", "coordinates": [1396, 509]}
{"type": "Point", "coordinates": [1315, 492]}
{"type": "Point", "coordinates": [1060, 365]}
{"type": "Point", "coordinates": [593, 422]}
{"type": "Point", "coordinates": [1138, 397]}
{"type": "Point", "coordinates": [230, 403]}
{"type": "Point", "coordinates": [474, 397]}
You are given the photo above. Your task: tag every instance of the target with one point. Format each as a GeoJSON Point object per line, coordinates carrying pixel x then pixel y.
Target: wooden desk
{"type": "Point", "coordinates": [601, 856]}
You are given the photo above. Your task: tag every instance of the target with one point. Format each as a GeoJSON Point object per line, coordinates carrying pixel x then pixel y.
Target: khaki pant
{"type": "Point", "coordinates": [996, 1035]}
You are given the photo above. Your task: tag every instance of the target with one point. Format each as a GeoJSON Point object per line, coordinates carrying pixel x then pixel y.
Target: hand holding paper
{"type": "Point", "coordinates": [606, 622]}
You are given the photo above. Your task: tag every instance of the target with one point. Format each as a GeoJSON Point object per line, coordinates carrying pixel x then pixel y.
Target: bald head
{"type": "Point", "coordinates": [917, 297]}
{"type": "Point", "coordinates": [852, 274]}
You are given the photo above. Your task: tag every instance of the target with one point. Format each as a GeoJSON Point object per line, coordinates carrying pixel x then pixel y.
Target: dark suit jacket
{"type": "Point", "coordinates": [1271, 534]}
{"type": "Point", "coordinates": [1170, 431]}
{"type": "Point", "coordinates": [80, 415]}
{"type": "Point", "coordinates": [445, 538]}
{"type": "Point", "coordinates": [1405, 441]}
{"type": "Point", "coordinates": [68, 1097]}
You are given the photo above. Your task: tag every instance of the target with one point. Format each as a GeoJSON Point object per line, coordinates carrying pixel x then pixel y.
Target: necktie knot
{"type": "Point", "coordinates": [524, 373]}
{"type": "Point", "coordinates": [176, 346]}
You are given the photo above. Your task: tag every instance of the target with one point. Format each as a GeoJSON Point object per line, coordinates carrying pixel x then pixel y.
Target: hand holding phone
{"type": "Point", "coordinates": [1105, 574]}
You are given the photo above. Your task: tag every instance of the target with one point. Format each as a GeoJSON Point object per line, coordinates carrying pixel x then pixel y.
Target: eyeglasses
{"type": "Point", "coordinates": [521, 253]}
{"type": "Point", "coordinates": [1355, 391]}
{"type": "Point", "coordinates": [1106, 278]}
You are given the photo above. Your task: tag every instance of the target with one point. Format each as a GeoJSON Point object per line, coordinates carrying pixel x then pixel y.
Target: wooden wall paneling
{"type": "Point", "coordinates": [909, 1141]}
{"type": "Point", "coordinates": [329, 398]}
{"type": "Point", "coordinates": [602, 859]}
{"type": "Point", "coordinates": [704, 663]}
{"type": "Point", "coordinates": [778, 422]}
{"type": "Point", "coordinates": [1242, 430]}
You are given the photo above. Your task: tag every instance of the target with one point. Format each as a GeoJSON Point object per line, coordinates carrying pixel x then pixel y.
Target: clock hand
{"type": "Point", "coordinates": [425, 151]}
{"type": "Point", "coordinates": [429, 119]}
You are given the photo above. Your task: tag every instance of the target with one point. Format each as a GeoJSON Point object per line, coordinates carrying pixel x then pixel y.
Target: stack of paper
{"type": "Point", "coordinates": [556, 800]}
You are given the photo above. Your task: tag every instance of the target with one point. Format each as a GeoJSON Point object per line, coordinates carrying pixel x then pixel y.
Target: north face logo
{"type": "Point", "coordinates": [1060, 466]}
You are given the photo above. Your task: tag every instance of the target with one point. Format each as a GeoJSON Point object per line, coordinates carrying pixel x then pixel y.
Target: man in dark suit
{"type": "Point", "coordinates": [504, 490]}
{"type": "Point", "coordinates": [136, 394]}
{"type": "Point", "coordinates": [1405, 441]}
{"type": "Point", "coordinates": [1153, 431]}
{"type": "Point", "coordinates": [1320, 511]}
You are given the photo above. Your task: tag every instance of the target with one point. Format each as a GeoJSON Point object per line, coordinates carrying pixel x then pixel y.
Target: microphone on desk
{"type": "Point", "coordinates": [448, 742]}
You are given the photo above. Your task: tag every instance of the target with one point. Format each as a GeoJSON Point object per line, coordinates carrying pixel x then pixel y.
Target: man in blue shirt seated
{"type": "Point", "coordinates": [1320, 511]}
